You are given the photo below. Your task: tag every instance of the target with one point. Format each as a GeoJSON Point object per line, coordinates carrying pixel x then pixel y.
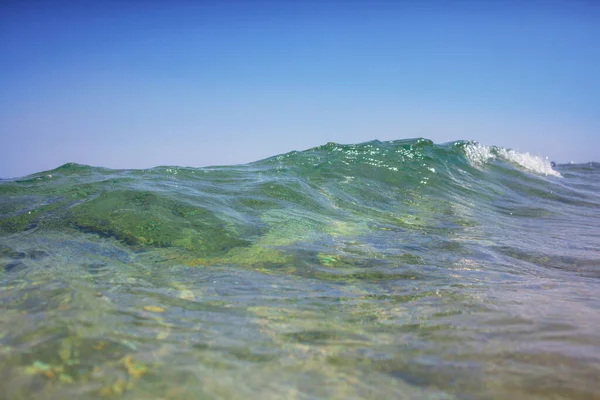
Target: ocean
{"type": "Point", "coordinates": [402, 269]}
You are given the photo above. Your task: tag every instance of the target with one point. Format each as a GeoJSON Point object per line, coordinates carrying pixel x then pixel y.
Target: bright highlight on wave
{"type": "Point", "coordinates": [480, 154]}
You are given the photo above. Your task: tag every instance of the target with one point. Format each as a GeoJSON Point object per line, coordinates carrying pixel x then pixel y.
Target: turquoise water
{"type": "Point", "coordinates": [381, 270]}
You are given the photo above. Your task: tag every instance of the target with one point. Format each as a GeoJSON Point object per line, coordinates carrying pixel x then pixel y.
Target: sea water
{"type": "Point", "coordinates": [402, 269]}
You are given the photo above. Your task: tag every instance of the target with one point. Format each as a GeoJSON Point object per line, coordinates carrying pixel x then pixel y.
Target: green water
{"type": "Point", "coordinates": [380, 270]}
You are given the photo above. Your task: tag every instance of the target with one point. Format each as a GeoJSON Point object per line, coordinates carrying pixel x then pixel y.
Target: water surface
{"type": "Point", "coordinates": [380, 270]}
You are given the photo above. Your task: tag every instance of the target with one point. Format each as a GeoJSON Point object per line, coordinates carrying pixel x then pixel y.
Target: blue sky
{"type": "Point", "coordinates": [140, 84]}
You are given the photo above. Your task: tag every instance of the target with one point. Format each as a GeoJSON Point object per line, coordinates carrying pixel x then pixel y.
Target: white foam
{"type": "Point", "coordinates": [529, 161]}
{"type": "Point", "coordinates": [479, 155]}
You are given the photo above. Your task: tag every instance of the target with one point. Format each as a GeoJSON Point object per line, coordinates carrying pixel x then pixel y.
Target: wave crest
{"type": "Point", "coordinates": [479, 155]}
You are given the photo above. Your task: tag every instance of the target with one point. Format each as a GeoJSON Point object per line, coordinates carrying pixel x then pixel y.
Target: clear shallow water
{"type": "Point", "coordinates": [381, 270]}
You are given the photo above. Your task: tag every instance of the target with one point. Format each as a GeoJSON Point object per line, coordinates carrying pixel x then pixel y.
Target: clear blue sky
{"type": "Point", "coordinates": [139, 84]}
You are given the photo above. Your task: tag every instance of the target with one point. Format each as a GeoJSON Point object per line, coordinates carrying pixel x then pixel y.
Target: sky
{"type": "Point", "coordinates": [145, 83]}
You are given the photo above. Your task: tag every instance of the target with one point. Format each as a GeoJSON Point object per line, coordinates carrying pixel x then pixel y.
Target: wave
{"type": "Point", "coordinates": [269, 210]}
{"type": "Point", "coordinates": [387, 269]}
